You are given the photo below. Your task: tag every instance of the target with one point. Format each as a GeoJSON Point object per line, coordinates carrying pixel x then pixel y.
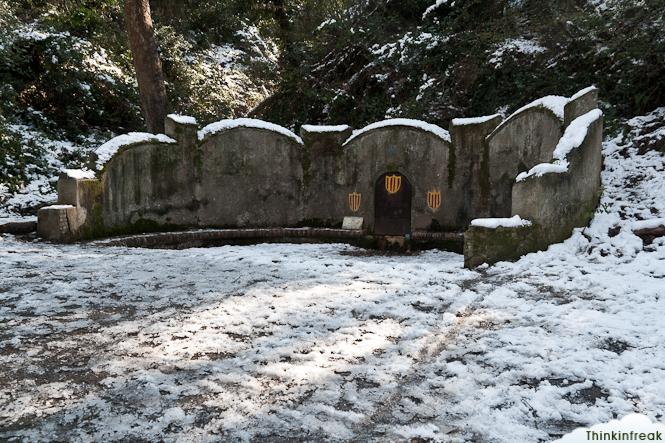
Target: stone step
{"type": "Point", "coordinates": [18, 227]}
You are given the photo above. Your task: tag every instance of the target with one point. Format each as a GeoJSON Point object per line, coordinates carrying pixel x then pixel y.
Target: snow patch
{"type": "Point", "coordinates": [575, 134]}
{"type": "Point", "coordinates": [554, 103]}
{"type": "Point", "coordinates": [7, 219]}
{"type": "Point", "coordinates": [106, 151]}
{"type": "Point", "coordinates": [515, 45]}
{"type": "Point", "coordinates": [225, 125]}
{"type": "Point", "coordinates": [400, 49]}
{"type": "Point", "coordinates": [335, 128]}
{"type": "Point", "coordinates": [493, 223]}
{"type": "Point", "coordinates": [436, 130]}
{"type": "Point", "coordinates": [78, 174]}
{"type": "Point", "coordinates": [330, 21]}
{"type": "Point", "coordinates": [58, 207]}
{"type": "Point", "coordinates": [644, 121]}
{"type": "Point", "coordinates": [418, 431]}
{"type": "Point", "coordinates": [182, 119]}
{"type": "Point", "coordinates": [557, 167]}
{"type": "Point", "coordinates": [435, 6]}
{"type": "Point", "coordinates": [582, 92]}
{"type": "Point", "coordinates": [648, 224]}
{"type": "Point", "coordinates": [474, 120]}
{"type": "Point", "coordinates": [226, 55]}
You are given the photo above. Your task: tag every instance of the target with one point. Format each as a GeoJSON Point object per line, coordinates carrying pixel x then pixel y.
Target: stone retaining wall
{"type": "Point", "coordinates": [560, 202]}
{"type": "Point", "coordinates": [238, 174]}
{"type": "Point", "coordinates": [421, 156]}
{"type": "Point", "coordinates": [221, 236]}
{"type": "Point", "coordinates": [526, 139]}
{"type": "Point", "coordinates": [555, 197]}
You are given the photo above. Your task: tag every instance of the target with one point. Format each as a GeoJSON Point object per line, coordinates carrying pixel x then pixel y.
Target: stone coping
{"type": "Point", "coordinates": [203, 236]}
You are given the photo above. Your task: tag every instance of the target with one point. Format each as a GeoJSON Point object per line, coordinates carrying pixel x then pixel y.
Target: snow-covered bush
{"type": "Point", "coordinates": [30, 161]}
{"type": "Point", "coordinates": [72, 83]}
{"type": "Point", "coordinates": [218, 81]}
{"type": "Point", "coordinates": [469, 57]}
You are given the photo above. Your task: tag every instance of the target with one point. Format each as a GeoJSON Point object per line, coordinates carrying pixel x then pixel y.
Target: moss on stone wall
{"type": "Point", "coordinates": [452, 160]}
{"type": "Point", "coordinates": [94, 225]}
{"type": "Point", "coordinates": [96, 228]}
{"type": "Point", "coordinates": [484, 245]}
{"type": "Point", "coordinates": [317, 223]}
{"type": "Point", "coordinates": [484, 179]}
{"type": "Point", "coordinates": [306, 160]}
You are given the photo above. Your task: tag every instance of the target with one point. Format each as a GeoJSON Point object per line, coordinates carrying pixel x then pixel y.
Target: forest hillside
{"type": "Point", "coordinates": [67, 81]}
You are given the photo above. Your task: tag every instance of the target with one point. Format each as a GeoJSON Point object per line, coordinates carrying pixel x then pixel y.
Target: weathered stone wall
{"type": "Point", "coordinates": [250, 177]}
{"type": "Point", "coordinates": [555, 202]}
{"type": "Point", "coordinates": [560, 202]}
{"type": "Point", "coordinates": [251, 174]}
{"type": "Point", "coordinates": [419, 155]}
{"type": "Point", "coordinates": [558, 193]}
{"type": "Point", "coordinates": [149, 183]}
{"type": "Point", "coordinates": [469, 183]}
{"type": "Point", "coordinates": [232, 178]}
{"type": "Point", "coordinates": [579, 104]}
{"type": "Point", "coordinates": [324, 176]}
{"type": "Point", "coordinates": [490, 245]}
{"type": "Point", "coordinates": [59, 222]}
{"type": "Point", "coordinates": [519, 143]}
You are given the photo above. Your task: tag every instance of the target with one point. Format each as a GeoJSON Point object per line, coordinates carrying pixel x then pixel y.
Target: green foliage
{"type": "Point", "coordinates": [216, 81]}
{"type": "Point", "coordinates": [86, 18]}
{"type": "Point", "coordinates": [339, 61]}
{"type": "Point", "coordinates": [72, 85]}
{"type": "Point", "coordinates": [12, 162]}
{"type": "Point", "coordinates": [204, 22]}
{"type": "Point", "coordinates": [19, 160]}
{"type": "Point", "coordinates": [381, 59]}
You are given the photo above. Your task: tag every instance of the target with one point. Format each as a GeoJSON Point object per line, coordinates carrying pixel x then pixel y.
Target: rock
{"type": "Point", "coordinates": [614, 231]}
{"type": "Point", "coordinates": [649, 234]}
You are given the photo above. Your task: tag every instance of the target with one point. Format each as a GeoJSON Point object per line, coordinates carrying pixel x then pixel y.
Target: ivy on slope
{"type": "Point", "coordinates": [471, 57]}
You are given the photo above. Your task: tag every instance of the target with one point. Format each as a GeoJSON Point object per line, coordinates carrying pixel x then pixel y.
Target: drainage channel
{"type": "Point", "coordinates": [452, 241]}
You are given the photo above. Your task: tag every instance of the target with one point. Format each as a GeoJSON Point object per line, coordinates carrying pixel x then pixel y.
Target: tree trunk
{"type": "Point", "coordinates": [146, 63]}
{"type": "Point", "coordinates": [282, 19]}
{"type": "Point", "coordinates": [278, 10]}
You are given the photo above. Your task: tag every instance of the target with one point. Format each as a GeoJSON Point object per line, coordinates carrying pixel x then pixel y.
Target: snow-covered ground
{"type": "Point", "coordinates": [329, 342]}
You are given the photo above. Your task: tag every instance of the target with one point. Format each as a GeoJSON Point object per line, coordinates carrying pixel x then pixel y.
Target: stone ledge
{"type": "Point", "coordinates": [437, 236]}
{"type": "Point", "coordinates": [60, 223]}
{"type": "Point", "coordinates": [212, 235]}
{"type": "Point", "coordinates": [18, 227]}
{"type": "Point", "coordinates": [491, 245]}
{"type": "Point", "coordinates": [207, 237]}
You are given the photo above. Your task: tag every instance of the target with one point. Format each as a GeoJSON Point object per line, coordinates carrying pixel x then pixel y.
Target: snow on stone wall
{"type": "Point", "coordinates": [251, 173]}
{"type": "Point", "coordinates": [405, 122]}
{"type": "Point", "coordinates": [106, 151]}
{"type": "Point", "coordinates": [563, 195]}
{"type": "Point", "coordinates": [572, 139]}
{"type": "Point", "coordinates": [494, 223]}
{"type": "Point", "coordinates": [225, 125]}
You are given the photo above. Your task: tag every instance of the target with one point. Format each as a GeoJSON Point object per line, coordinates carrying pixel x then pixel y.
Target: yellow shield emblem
{"type": "Point", "coordinates": [393, 183]}
{"type": "Point", "coordinates": [354, 201]}
{"type": "Point", "coordinates": [434, 199]}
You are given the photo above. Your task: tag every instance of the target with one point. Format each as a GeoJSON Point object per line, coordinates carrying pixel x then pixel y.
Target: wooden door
{"type": "Point", "coordinates": [392, 205]}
